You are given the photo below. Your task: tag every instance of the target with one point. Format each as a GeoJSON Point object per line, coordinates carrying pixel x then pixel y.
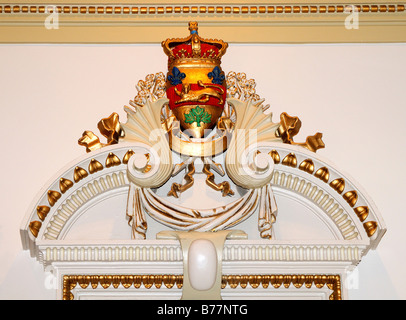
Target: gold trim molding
{"type": "Point", "coordinates": [70, 282]}
{"type": "Point", "coordinates": [303, 21]}
{"type": "Point", "coordinates": [122, 9]}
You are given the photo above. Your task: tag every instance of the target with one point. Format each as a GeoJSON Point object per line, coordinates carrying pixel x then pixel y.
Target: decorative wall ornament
{"type": "Point", "coordinates": [171, 281]}
{"type": "Point", "coordinates": [198, 170]}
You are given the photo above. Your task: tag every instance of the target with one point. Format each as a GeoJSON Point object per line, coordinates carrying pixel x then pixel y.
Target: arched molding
{"type": "Point", "coordinates": [90, 176]}
{"type": "Point", "coordinates": [333, 190]}
{"type": "Point", "coordinates": [301, 173]}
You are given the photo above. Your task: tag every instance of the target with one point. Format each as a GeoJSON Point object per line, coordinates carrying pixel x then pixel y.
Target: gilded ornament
{"type": "Point", "coordinates": [66, 293]}
{"type": "Point", "coordinates": [275, 156]}
{"type": "Point", "coordinates": [152, 88]}
{"type": "Point", "coordinates": [179, 281]}
{"type": "Point", "coordinates": [127, 156]}
{"type": "Point", "coordinates": [351, 197]}
{"type": "Point", "coordinates": [65, 184]}
{"type": "Point", "coordinates": [314, 142]}
{"type": "Point", "coordinates": [287, 279]}
{"type": "Point", "coordinates": [72, 284]}
{"type": "Point", "coordinates": [35, 226]}
{"type": "Point", "coordinates": [147, 281]}
{"type": "Point", "coordinates": [243, 281]}
{"type": "Point", "coordinates": [158, 281]}
{"type": "Point", "coordinates": [137, 281]}
{"type": "Point", "coordinates": [290, 160]}
{"type": "Point", "coordinates": [127, 280]}
{"type": "Point", "coordinates": [290, 126]}
{"type": "Point", "coordinates": [189, 181]}
{"type": "Point", "coordinates": [319, 281]}
{"type": "Point", "coordinates": [307, 166]}
{"type": "Point", "coordinates": [94, 281]}
{"type": "Point", "coordinates": [169, 281]}
{"type": "Point", "coordinates": [109, 127]}
{"type": "Point", "coordinates": [338, 185]}
{"type": "Point", "coordinates": [298, 280]}
{"type": "Point", "coordinates": [200, 95]}
{"type": "Point", "coordinates": [152, 10]}
{"type": "Point", "coordinates": [112, 160]}
{"type": "Point", "coordinates": [90, 141]}
{"type": "Point", "coordinates": [223, 282]}
{"type": "Point", "coordinates": [276, 281]}
{"type": "Point", "coordinates": [95, 166]}
{"type": "Point", "coordinates": [53, 197]}
{"type": "Point", "coordinates": [79, 174]}
{"type": "Point", "coordinates": [116, 281]}
{"type": "Point", "coordinates": [238, 86]}
{"type": "Point", "coordinates": [105, 281]}
{"type": "Point", "coordinates": [224, 186]}
{"type": "Point", "coordinates": [323, 174]}
{"type": "Point", "coordinates": [42, 212]}
{"type": "Point", "coordinates": [254, 281]}
{"type": "Point", "coordinates": [309, 281]}
{"type": "Point", "coordinates": [83, 281]}
{"type": "Point", "coordinates": [265, 280]}
{"type": "Point", "coordinates": [370, 227]}
{"type": "Point", "coordinates": [69, 283]}
{"type": "Point", "coordinates": [233, 281]}
{"type": "Point", "coordinates": [362, 212]}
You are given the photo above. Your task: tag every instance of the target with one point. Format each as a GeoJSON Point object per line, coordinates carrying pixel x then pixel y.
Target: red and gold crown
{"type": "Point", "coordinates": [194, 49]}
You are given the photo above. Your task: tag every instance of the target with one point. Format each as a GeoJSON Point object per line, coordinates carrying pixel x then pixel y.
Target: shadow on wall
{"type": "Point", "coordinates": [26, 280]}
{"type": "Point", "coordinates": [371, 277]}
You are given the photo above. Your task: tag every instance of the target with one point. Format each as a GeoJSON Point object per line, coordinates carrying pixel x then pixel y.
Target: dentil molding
{"type": "Point", "coordinates": [302, 21]}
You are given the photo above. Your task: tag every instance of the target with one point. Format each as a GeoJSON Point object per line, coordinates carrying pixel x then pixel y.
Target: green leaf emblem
{"type": "Point", "coordinates": [197, 115]}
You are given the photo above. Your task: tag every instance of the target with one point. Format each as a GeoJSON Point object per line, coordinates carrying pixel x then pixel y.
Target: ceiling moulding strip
{"type": "Point", "coordinates": [235, 21]}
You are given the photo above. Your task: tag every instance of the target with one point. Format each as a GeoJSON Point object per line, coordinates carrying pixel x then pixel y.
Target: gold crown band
{"type": "Point", "coordinates": [194, 63]}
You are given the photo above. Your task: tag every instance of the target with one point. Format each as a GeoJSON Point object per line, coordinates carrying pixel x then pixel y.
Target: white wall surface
{"type": "Point", "coordinates": [353, 93]}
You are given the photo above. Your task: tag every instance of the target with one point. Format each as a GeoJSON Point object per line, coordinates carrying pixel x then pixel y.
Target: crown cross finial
{"type": "Point", "coordinates": [193, 27]}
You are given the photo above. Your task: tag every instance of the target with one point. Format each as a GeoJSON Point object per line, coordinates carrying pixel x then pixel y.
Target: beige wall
{"type": "Point", "coordinates": [354, 94]}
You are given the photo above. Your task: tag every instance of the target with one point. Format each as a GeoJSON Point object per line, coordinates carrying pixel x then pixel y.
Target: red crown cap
{"type": "Point", "coordinates": [194, 48]}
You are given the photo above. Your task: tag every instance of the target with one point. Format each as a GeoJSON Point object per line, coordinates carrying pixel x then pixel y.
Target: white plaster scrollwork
{"type": "Point", "coordinates": [251, 128]}
{"type": "Point", "coordinates": [142, 166]}
{"type": "Point", "coordinates": [144, 127]}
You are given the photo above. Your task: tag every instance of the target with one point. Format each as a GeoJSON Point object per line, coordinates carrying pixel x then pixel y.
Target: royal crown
{"type": "Point", "coordinates": [193, 49]}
